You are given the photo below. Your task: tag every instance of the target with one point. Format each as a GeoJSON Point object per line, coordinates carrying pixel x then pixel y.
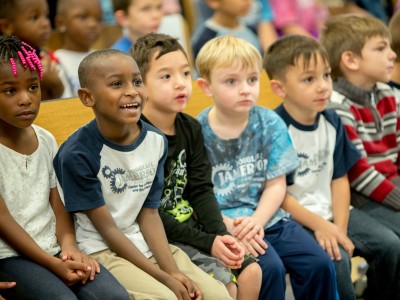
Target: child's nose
{"type": "Point", "coordinates": [25, 99]}
{"type": "Point", "coordinates": [392, 54]}
{"type": "Point", "coordinates": [180, 82]}
{"type": "Point", "coordinates": [245, 88]}
{"type": "Point", "coordinates": [131, 91]}
{"type": "Point", "coordinates": [324, 85]}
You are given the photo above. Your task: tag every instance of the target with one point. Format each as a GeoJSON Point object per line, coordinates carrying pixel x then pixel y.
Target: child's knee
{"type": "Point", "coordinates": [213, 289]}
{"type": "Point", "coordinates": [273, 269]}
{"type": "Point", "coordinates": [251, 273]}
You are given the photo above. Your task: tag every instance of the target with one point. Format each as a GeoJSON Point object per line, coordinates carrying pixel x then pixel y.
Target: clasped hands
{"type": "Point", "coordinates": [76, 266]}
{"type": "Point", "coordinates": [248, 233]}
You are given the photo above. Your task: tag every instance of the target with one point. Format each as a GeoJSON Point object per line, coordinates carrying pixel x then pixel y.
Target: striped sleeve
{"type": "Point", "coordinates": [371, 174]}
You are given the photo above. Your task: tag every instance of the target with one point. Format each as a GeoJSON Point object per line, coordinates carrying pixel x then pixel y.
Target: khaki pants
{"type": "Point", "coordinates": [141, 285]}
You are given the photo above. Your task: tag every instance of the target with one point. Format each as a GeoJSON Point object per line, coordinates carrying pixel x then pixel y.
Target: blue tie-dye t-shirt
{"type": "Point", "coordinates": [241, 166]}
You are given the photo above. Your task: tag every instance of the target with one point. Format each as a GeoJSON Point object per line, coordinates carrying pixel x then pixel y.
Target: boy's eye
{"type": "Point", "coordinates": [253, 79]}
{"type": "Point", "coordinates": [382, 48]}
{"type": "Point", "coordinates": [308, 79]}
{"type": "Point", "coordinates": [138, 82]}
{"type": "Point", "coordinates": [327, 75]}
{"type": "Point", "coordinates": [187, 73]}
{"type": "Point", "coordinates": [166, 76]}
{"type": "Point", "coordinates": [34, 17]}
{"type": "Point", "coordinates": [116, 83]}
{"type": "Point", "coordinates": [230, 81]}
{"type": "Point", "coordinates": [146, 8]}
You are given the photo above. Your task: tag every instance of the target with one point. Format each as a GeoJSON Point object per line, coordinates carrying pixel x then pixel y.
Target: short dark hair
{"type": "Point", "coordinates": [121, 5]}
{"type": "Point", "coordinates": [146, 46]}
{"type": "Point", "coordinates": [88, 65]}
{"type": "Point", "coordinates": [287, 50]}
{"type": "Point", "coordinates": [8, 10]}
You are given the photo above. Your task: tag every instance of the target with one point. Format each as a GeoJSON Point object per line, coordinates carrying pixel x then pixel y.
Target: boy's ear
{"type": "Point", "coordinates": [204, 86]}
{"type": "Point", "coordinates": [85, 96]}
{"type": "Point", "coordinates": [121, 17]}
{"type": "Point", "coordinates": [349, 60]}
{"type": "Point", "coordinates": [6, 27]}
{"type": "Point", "coordinates": [278, 88]}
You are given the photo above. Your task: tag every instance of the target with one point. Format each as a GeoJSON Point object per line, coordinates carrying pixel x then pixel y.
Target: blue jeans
{"type": "Point", "coordinates": [17, 292]}
{"type": "Point", "coordinates": [291, 249]}
{"type": "Point", "coordinates": [43, 284]}
{"type": "Point", "coordinates": [380, 246]}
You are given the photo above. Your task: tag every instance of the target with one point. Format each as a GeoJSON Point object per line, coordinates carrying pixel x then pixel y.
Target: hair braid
{"type": "Point", "coordinates": [12, 50]}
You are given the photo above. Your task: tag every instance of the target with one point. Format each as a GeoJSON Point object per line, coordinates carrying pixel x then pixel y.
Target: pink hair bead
{"type": "Point", "coordinates": [14, 67]}
{"type": "Point", "coordinates": [22, 59]}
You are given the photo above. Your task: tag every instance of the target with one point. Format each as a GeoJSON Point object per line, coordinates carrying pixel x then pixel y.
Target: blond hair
{"type": "Point", "coordinates": [394, 28]}
{"type": "Point", "coordinates": [225, 52]}
{"type": "Point", "coordinates": [349, 32]}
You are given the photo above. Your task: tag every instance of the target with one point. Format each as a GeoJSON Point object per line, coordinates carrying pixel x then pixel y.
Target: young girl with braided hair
{"type": "Point", "coordinates": [37, 237]}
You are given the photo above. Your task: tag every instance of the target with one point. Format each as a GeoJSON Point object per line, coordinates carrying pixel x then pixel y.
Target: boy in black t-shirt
{"type": "Point", "coordinates": [189, 210]}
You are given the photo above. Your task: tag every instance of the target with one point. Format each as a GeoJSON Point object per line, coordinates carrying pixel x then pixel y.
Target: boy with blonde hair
{"type": "Point", "coordinates": [319, 199]}
{"type": "Point", "coordinates": [251, 153]}
{"type": "Point", "coordinates": [359, 52]}
{"type": "Point", "coordinates": [189, 210]}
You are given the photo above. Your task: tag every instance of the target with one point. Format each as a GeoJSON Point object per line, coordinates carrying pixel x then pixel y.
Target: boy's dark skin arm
{"type": "Point", "coordinates": [155, 237]}
{"type": "Point", "coordinates": [153, 231]}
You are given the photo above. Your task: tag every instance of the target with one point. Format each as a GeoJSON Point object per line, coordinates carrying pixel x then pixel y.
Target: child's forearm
{"type": "Point", "coordinates": [51, 86]}
{"type": "Point", "coordinates": [18, 239]}
{"type": "Point", "coordinates": [65, 230]}
{"type": "Point", "coordinates": [341, 202]}
{"type": "Point", "coordinates": [271, 199]}
{"type": "Point", "coordinates": [120, 244]}
{"type": "Point", "coordinates": [152, 229]}
{"type": "Point", "coordinates": [301, 214]}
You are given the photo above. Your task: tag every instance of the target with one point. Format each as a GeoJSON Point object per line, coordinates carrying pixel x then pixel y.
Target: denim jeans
{"type": "Point", "coordinates": [292, 250]}
{"type": "Point", "coordinates": [43, 284]}
{"type": "Point", "coordinates": [17, 292]}
{"type": "Point", "coordinates": [380, 246]}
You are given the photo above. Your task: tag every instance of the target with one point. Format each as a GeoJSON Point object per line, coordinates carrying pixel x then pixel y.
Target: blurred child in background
{"type": "Point", "coordinates": [80, 22]}
{"type": "Point", "coordinates": [136, 17]}
{"type": "Point", "coordinates": [28, 20]}
{"type": "Point", "coordinates": [225, 21]}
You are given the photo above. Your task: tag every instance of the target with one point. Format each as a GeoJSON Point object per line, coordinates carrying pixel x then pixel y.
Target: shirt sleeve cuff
{"type": "Point", "coordinates": [393, 199]}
